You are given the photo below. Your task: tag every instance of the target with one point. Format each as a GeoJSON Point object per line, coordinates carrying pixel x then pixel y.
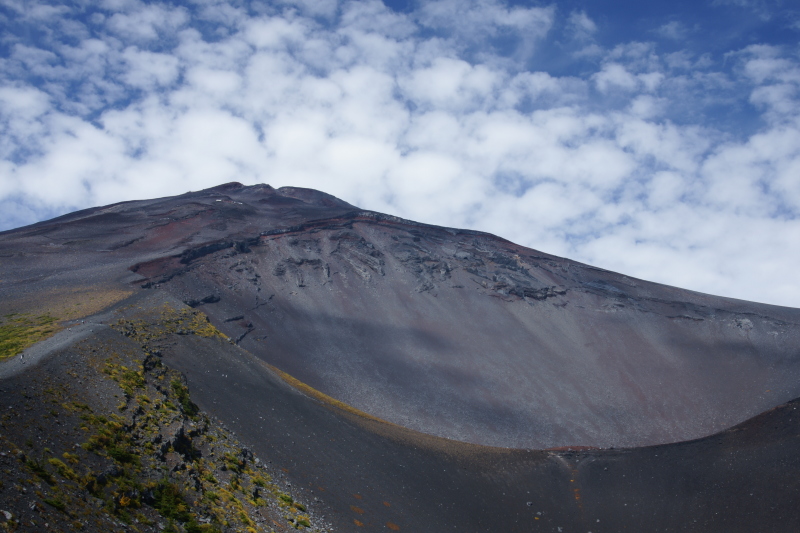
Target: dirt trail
{"type": "Point", "coordinates": [75, 330]}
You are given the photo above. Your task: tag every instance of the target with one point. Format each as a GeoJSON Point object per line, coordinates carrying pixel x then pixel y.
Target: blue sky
{"type": "Point", "coordinates": [657, 139]}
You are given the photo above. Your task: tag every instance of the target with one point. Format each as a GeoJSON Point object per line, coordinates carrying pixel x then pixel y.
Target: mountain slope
{"type": "Point", "coordinates": [399, 375]}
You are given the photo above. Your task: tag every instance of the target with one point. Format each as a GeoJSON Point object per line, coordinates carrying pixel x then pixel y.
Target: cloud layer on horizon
{"type": "Point", "coordinates": [675, 166]}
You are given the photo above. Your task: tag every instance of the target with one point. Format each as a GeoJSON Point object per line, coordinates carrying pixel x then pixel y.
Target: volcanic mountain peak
{"type": "Point", "coordinates": [397, 334]}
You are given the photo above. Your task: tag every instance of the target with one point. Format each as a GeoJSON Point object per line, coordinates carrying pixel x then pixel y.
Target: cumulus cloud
{"type": "Point", "coordinates": [436, 114]}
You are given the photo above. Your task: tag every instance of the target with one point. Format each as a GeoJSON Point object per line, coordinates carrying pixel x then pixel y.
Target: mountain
{"type": "Point", "coordinates": [393, 374]}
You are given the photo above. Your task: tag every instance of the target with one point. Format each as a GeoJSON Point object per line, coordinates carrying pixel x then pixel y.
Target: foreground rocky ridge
{"type": "Point", "coordinates": [104, 437]}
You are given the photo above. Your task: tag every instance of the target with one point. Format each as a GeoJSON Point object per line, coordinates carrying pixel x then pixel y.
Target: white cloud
{"type": "Point", "coordinates": [615, 76]}
{"type": "Point", "coordinates": [422, 115]}
{"type": "Point", "coordinates": [23, 103]}
{"type": "Point", "coordinates": [372, 16]}
{"type": "Point", "coordinates": [760, 8]}
{"type": "Point", "coordinates": [485, 16]}
{"type": "Point", "coordinates": [21, 126]}
{"type": "Point", "coordinates": [149, 70]}
{"type": "Point", "coordinates": [582, 27]}
{"type": "Point", "coordinates": [77, 155]}
{"type": "Point", "coordinates": [215, 82]}
{"type": "Point", "coordinates": [636, 56]}
{"type": "Point", "coordinates": [541, 90]}
{"type": "Point", "coordinates": [141, 22]}
{"type": "Point", "coordinates": [647, 107]}
{"type": "Point", "coordinates": [764, 63]}
{"type": "Point", "coordinates": [779, 101]}
{"type": "Point", "coordinates": [479, 21]}
{"type": "Point", "coordinates": [452, 83]}
{"type": "Point", "coordinates": [314, 8]}
{"type": "Point", "coordinates": [673, 30]}
{"type": "Point", "coordinates": [665, 144]}
{"type": "Point", "coordinates": [221, 12]}
{"type": "Point", "coordinates": [274, 33]}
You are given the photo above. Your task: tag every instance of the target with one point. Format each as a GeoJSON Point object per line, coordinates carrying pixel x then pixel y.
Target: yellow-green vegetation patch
{"type": "Point", "coordinates": [198, 323]}
{"type": "Point", "coordinates": [37, 468]}
{"type": "Point", "coordinates": [321, 396]}
{"type": "Point", "coordinates": [184, 321]}
{"type": "Point", "coordinates": [209, 482]}
{"type": "Point", "coordinates": [169, 500]}
{"type": "Point", "coordinates": [79, 303]}
{"type": "Point", "coordinates": [62, 469]}
{"type": "Point", "coordinates": [181, 393]}
{"type": "Point", "coordinates": [18, 331]}
{"type": "Point", "coordinates": [55, 502]}
{"type": "Point", "coordinates": [128, 379]}
{"type": "Point", "coordinates": [112, 437]}
{"type": "Point", "coordinates": [66, 304]}
{"type": "Point", "coordinates": [157, 461]}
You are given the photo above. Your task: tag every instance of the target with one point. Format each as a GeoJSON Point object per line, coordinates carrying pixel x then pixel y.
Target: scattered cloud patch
{"type": "Point", "coordinates": [487, 30]}
{"type": "Point", "coordinates": [582, 27]}
{"type": "Point", "coordinates": [673, 30]}
{"type": "Point", "coordinates": [615, 76]}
